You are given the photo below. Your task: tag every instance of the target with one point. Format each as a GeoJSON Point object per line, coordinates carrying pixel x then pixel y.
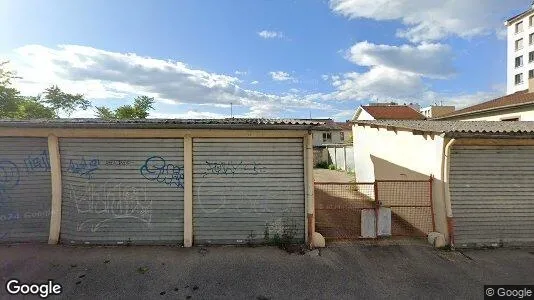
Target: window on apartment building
{"type": "Point", "coordinates": [519, 44]}
{"type": "Point", "coordinates": [510, 119]}
{"type": "Point", "coordinates": [518, 27]}
{"type": "Point", "coordinates": [531, 56]}
{"type": "Point", "coordinates": [530, 74]}
{"type": "Point", "coordinates": [531, 21]}
{"type": "Point", "coordinates": [519, 61]}
{"type": "Point", "coordinates": [531, 39]}
{"type": "Point", "coordinates": [341, 136]}
{"type": "Point", "coordinates": [327, 137]}
{"type": "Point", "coordinates": [519, 78]}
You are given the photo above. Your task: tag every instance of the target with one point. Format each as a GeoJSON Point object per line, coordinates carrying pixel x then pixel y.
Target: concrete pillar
{"type": "Point", "coordinates": [188, 191]}
{"type": "Point", "coordinates": [308, 187]}
{"type": "Point", "coordinates": [55, 171]}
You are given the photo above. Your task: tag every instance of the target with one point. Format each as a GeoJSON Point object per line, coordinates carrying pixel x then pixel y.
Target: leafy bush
{"type": "Point", "coordinates": [322, 165]}
{"type": "Point", "coordinates": [332, 167]}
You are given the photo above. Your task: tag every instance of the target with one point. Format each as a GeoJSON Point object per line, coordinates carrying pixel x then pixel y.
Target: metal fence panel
{"type": "Point", "coordinates": [338, 208]}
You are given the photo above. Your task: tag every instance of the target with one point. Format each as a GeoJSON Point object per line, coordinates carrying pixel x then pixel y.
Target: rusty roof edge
{"type": "Point", "coordinates": [160, 124]}
{"type": "Point", "coordinates": [453, 133]}
{"type": "Point", "coordinates": [381, 125]}
{"type": "Point", "coordinates": [490, 135]}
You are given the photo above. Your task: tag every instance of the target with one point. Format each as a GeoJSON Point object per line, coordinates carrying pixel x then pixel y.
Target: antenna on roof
{"type": "Point", "coordinates": [310, 115]}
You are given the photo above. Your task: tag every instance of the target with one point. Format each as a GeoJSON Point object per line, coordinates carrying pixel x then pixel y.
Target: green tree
{"type": "Point", "coordinates": [139, 110]}
{"type": "Point", "coordinates": [31, 108]}
{"type": "Point", "coordinates": [61, 101]}
{"type": "Point", "coordinates": [14, 105]}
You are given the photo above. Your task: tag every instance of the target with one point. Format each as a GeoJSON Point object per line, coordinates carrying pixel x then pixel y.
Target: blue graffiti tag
{"type": "Point", "coordinates": [9, 175]}
{"type": "Point", "coordinates": [156, 169]}
{"type": "Point", "coordinates": [232, 168]}
{"type": "Point", "coordinates": [38, 162]}
{"type": "Point", "coordinates": [83, 167]}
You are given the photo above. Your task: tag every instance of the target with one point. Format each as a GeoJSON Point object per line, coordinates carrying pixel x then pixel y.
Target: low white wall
{"type": "Point", "coordinates": [387, 155]}
{"type": "Point", "coordinates": [342, 156]}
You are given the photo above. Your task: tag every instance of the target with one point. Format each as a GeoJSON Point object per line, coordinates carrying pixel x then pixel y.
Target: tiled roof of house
{"type": "Point", "coordinates": [457, 128]}
{"type": "Point", "coordinates": [518, 98]}
{"type": "Point", "coordinates": [393, 112]}
{"type": "Point", "coordinates": [344, 125]}
{"type": "Point", "coordinates": [228, 123]}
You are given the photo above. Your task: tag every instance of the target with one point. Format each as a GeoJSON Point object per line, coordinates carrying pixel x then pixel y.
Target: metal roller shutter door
{"type": "Point", "coordinates": [492, 194]}
{"type": "Point", "coordinates": [25, 190]}
{"type": "Point", "coordinates": [245, 186]}
{"type": "Point", "coordinates": [120, 191]}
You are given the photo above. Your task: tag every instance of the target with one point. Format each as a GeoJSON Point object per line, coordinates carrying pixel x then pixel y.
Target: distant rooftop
{"type": "Point", "coordinates": [393, 112]}
{"type": "Point", "coordinates": [517, 99]}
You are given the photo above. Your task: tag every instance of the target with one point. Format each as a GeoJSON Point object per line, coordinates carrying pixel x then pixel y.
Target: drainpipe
{"type": "Point", "coordinates": [446, 190]}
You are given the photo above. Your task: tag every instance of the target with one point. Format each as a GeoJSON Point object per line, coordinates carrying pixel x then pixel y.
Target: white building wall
{"type": "Point", "coordinates": [318, 137]}
{"type": "Point", "coordinates": [365, 116]}
{"type": "Point", "coordinates": [385, 155]}
{"type": "Point", "coordinates": [512, 54]}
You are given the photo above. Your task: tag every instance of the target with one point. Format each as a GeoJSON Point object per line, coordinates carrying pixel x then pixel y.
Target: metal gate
{"type": "Point", "coordinates": [120, 191]}
{"type": "Point", "coordinates": [339, 207]}
{"type": "Point", "coordinates": [25, 190]}
{"type": "Point", "coordinates": [492, 192]}
{"type": "Point", "coordinates": [247, 190]}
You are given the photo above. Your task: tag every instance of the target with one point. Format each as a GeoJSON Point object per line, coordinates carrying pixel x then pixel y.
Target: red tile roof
{"type": "Point", "coordinates": [344, 125]}
{"type": "Point", "coordinates": [393, 112]}
{"type": "Point", "coordinates": [518, 98]}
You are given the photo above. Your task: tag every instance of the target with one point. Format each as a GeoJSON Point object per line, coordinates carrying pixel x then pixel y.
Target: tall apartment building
{"type": "Point", "coordinates": [520, 60]}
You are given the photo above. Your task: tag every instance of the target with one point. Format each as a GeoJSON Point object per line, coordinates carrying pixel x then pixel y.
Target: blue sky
{"type": "Point", "coordinates": [269, 58]}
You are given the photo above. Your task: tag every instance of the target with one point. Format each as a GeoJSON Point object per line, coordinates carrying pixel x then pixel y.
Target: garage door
{"type": "Point", "coordinates": [492, 195]}
{"type": "Point", "coordinates": [25, 190]}
{"type": "Point", "coordinates": [247, 190]}
{"type": "Point", "coordinates": [120, 191]}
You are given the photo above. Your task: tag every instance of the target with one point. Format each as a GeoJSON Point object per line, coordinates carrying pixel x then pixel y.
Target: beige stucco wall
{"type": "Point", "coordinates": [336, 137]}
{"type": "Point", "coordinates": [523, 113]}
{"type": "Point", "coordinates": [387, 155]}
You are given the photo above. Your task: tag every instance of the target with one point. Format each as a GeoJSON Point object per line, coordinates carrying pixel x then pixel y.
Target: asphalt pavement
{"type": "Point", "coordinates": [341, 271]}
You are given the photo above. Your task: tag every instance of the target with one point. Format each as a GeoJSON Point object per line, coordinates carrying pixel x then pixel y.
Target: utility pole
{"type": "Point", "coordinates": [231, 110]}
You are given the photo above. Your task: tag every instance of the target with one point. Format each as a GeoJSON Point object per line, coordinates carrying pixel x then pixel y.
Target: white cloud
{"type": "Point", "coordinates": [281, 76]}
{"type": "Point", "coordinates": [379, 83]}
{"type": "Point", "coordinates": [237, 72]}
{"type": "Point", "coordinates": [101, 74]}
{"type": "Point", "coordinates": [268, 34]}
{"type": "Point", "coordinates": [428, 60]}
{"type": "Point", "coordinates": [255, 82]}
{"type": "Point", "coordinates": [429, 20]}
{"type": "Point", "coordinates": [325, 77]}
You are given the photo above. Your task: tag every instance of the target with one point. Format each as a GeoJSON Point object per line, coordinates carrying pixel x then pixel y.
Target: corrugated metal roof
{"type": "Point", "coordinates": [228, 123]}
{"type": "Point", "coordinates": [459, 128]}
{"type": "Point", "coordinates": [393, 112]}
